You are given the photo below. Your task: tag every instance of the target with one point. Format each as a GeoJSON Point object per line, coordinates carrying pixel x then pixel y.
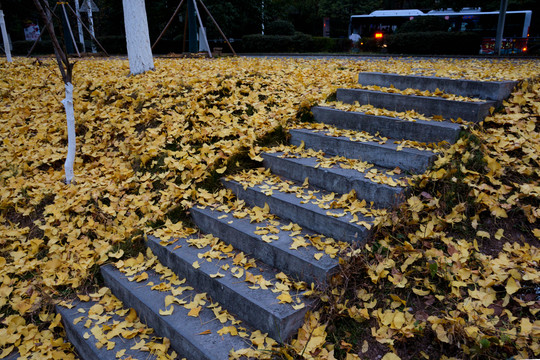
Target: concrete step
{"type": "Point", "coordinates": [419, 130]}
{"type": "Point", "coordinates": [427, 105]}
{"type": "Point", "coordinates": [304, 210]}
{"type": "Point", "coordinates": [191, 337]}
{"type": "Point", "coordinates": [299, 263]}
{"type": "Point", "coordinates": [488, 90]}
{"type": "Point", "coordinates": [335, 179]}
{"type": "Point", "coordinates": [259, 307]}
{"type": "Point", "coordinates": [385, 155]}
{"type": "Point", "coordinates": [87, 348]}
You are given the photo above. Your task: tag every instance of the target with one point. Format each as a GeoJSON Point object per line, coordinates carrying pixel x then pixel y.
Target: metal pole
{"type": "Point", "coordinates": [215, 23]}
{"type": "Point", "coordinates": [70, 31]}
{"type": "Point", "coordinates": [500, 26]}
{"type": "Point", "coordinates": [5, 37]}
{"type": "Point", "coordinates": [168, 24]}
{"type": "Point", "coordinates": [93, 37]}
{"type": "Point", "coordinates": [65, 31]}
{"type": "Point", "coordinates": [79, 26]}
{"type": "Point", "coordinates": [91, 25]}
{"type": "Point", "coordinates": [192, 24]}
{"type": "Point", "coordinates": [202, 28]}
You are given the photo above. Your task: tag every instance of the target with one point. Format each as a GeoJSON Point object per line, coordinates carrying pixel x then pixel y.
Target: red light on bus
{"type": "Point", "coordinates": [524, 49]}
{"type": "Point", "coordinates": [378, 35]}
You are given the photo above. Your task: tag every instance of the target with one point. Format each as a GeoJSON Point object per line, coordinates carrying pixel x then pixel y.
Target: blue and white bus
{"type": "Point", "coordinates": [516, 29]}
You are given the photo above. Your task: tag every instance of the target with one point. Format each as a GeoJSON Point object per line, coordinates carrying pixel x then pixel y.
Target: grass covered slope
{"type": "Point", "coordinates": [146, 144]}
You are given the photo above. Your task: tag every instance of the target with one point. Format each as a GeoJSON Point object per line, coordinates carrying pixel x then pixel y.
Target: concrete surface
{"type": "Point", "coordinates": [258, 307]}
{"type": "Point", "coordinates": [183, 331]}
{"type": "Point", "coordinates": [385, 155]}
{"type": "Point", "coordinates": [335, 179]}
{"type": "Point", "coordinates": [488, 90]}
{"type": "Point", "coordinates": [419, 130]}
{"type": "Point", "coordinates": [308, 215]}
{"type": "Point", "coordinates": [299, 263]}
{"type": "Point", "coordinates": [427, 105]}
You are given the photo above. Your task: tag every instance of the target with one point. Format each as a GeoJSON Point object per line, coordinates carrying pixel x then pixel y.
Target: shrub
{"type": "Point", "coordinates": [437, 42]}
{"type": "Point", "coordinates": [343, 44]}
{"type": "Point", "coordinates": [280, 27]}
{"type": "Point", "coordinates": [266, 43]}
{"type": "Point", "coordinates": [301, 42]}
{"type": "Point", "coordinates": [42, 47]}
{"type": "Point", "coordinates": [324, 44]}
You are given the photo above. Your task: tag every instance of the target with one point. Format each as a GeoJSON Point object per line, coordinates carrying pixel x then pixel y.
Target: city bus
{"type": "Point", "coordinates": [516, 28]}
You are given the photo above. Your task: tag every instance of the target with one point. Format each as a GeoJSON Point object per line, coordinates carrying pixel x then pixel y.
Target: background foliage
{"type": "Point", "coordinates": [243, 17]}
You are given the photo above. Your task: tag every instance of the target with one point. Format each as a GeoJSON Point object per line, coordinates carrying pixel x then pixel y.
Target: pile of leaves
{"type": "Point", "coordinates": [149, 145]}
{"type": "Point", "coordinates": [452, 272]}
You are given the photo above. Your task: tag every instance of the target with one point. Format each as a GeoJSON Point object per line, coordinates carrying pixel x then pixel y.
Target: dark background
{"type": "Point", "coordinates": [242, 17]}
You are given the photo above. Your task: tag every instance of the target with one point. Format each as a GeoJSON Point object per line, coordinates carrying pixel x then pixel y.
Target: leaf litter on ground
{"type": "Point", "coordinates": [147, 143]}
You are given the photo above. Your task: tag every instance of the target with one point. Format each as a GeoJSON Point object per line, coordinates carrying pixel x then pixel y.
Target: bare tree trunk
{"type": "Point", "coordinates": [66, 71]}
{"type": "Point", "coordinates": [137, 37]}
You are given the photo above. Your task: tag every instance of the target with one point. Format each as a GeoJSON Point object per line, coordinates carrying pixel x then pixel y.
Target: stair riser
{"type": "Point", "coordinates": [380, 195]}
{"type": "Point", "coordinates": [430, 106]}
{"type": "Point", "coordinates": [276, 256]}
{"type": "Point", "coordinates": [422, 131]}
{"type": "Point", "coordinates": [489, 90]}
{"type": "Point", "coordinates": [249, 305]}
{"type": "Point", "coordinates": [313, 220]}
{"type": "Point", "coordinates": [372, 153]}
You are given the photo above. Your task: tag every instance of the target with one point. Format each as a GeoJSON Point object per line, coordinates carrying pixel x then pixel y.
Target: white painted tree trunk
{"type": "Point", "coordinates": [70, 117]}
{"type": "Point", "coordinates": [137, 37]}
{"type": "Point", "coordinates": [5, 37]}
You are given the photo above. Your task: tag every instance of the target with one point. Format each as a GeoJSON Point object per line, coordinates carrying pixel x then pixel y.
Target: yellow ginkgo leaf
{"type": "Point", "coordinates": [194, 312]}
{"type": "Point", "coordinates": [284, 298]}
{"type": "Point", "coordinates": [166, 312]}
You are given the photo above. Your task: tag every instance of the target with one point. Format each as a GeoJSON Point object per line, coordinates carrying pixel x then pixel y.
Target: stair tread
{"type": "Point", "coordinates": [354, 216]}
{"type": "Point", "coordinates": [357, 137]}
{"type": "Point", "coordinates": [427, 105]}
{"type": "Point", "coordinates": [250, 293]}
{"type": "Point", "coordinates": [194, 337]}
{"type": "Point", "coordinates": [122, 335]}
{"type": "Point", "coordinates": [382, 152]}
{"type": "Point", "coordinates": [412, 96]}
{"type": "Point", "coordinates": [490, 90]}
{"type": "Point", "coordinates": [369, 172]}
{"type": "Point", "coordinates": [289, 247]}
{"type": "Point", "coordinates": [403, 127]}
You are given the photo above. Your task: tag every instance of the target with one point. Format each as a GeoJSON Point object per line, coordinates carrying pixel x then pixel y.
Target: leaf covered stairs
{"type": "Point", "coordinates": [245, 275]}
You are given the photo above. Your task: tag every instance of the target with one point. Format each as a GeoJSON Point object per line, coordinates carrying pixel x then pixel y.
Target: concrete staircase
{"type": "Point", "coordinates": [284, 250]}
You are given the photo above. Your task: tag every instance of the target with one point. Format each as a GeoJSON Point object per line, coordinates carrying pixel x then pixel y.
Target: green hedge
{"type": "Point", "coordinates": [434, 43]}
{"type": "Point", "coordinates": [267, 43]}
{"type": "Point", "coordinates": [42, 47]}
{"type": "Point", "coordinates": [299, 42]}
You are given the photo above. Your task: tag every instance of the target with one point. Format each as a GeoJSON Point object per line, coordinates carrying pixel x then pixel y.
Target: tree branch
{"type": "Point", "coordinates": [61, 55]}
